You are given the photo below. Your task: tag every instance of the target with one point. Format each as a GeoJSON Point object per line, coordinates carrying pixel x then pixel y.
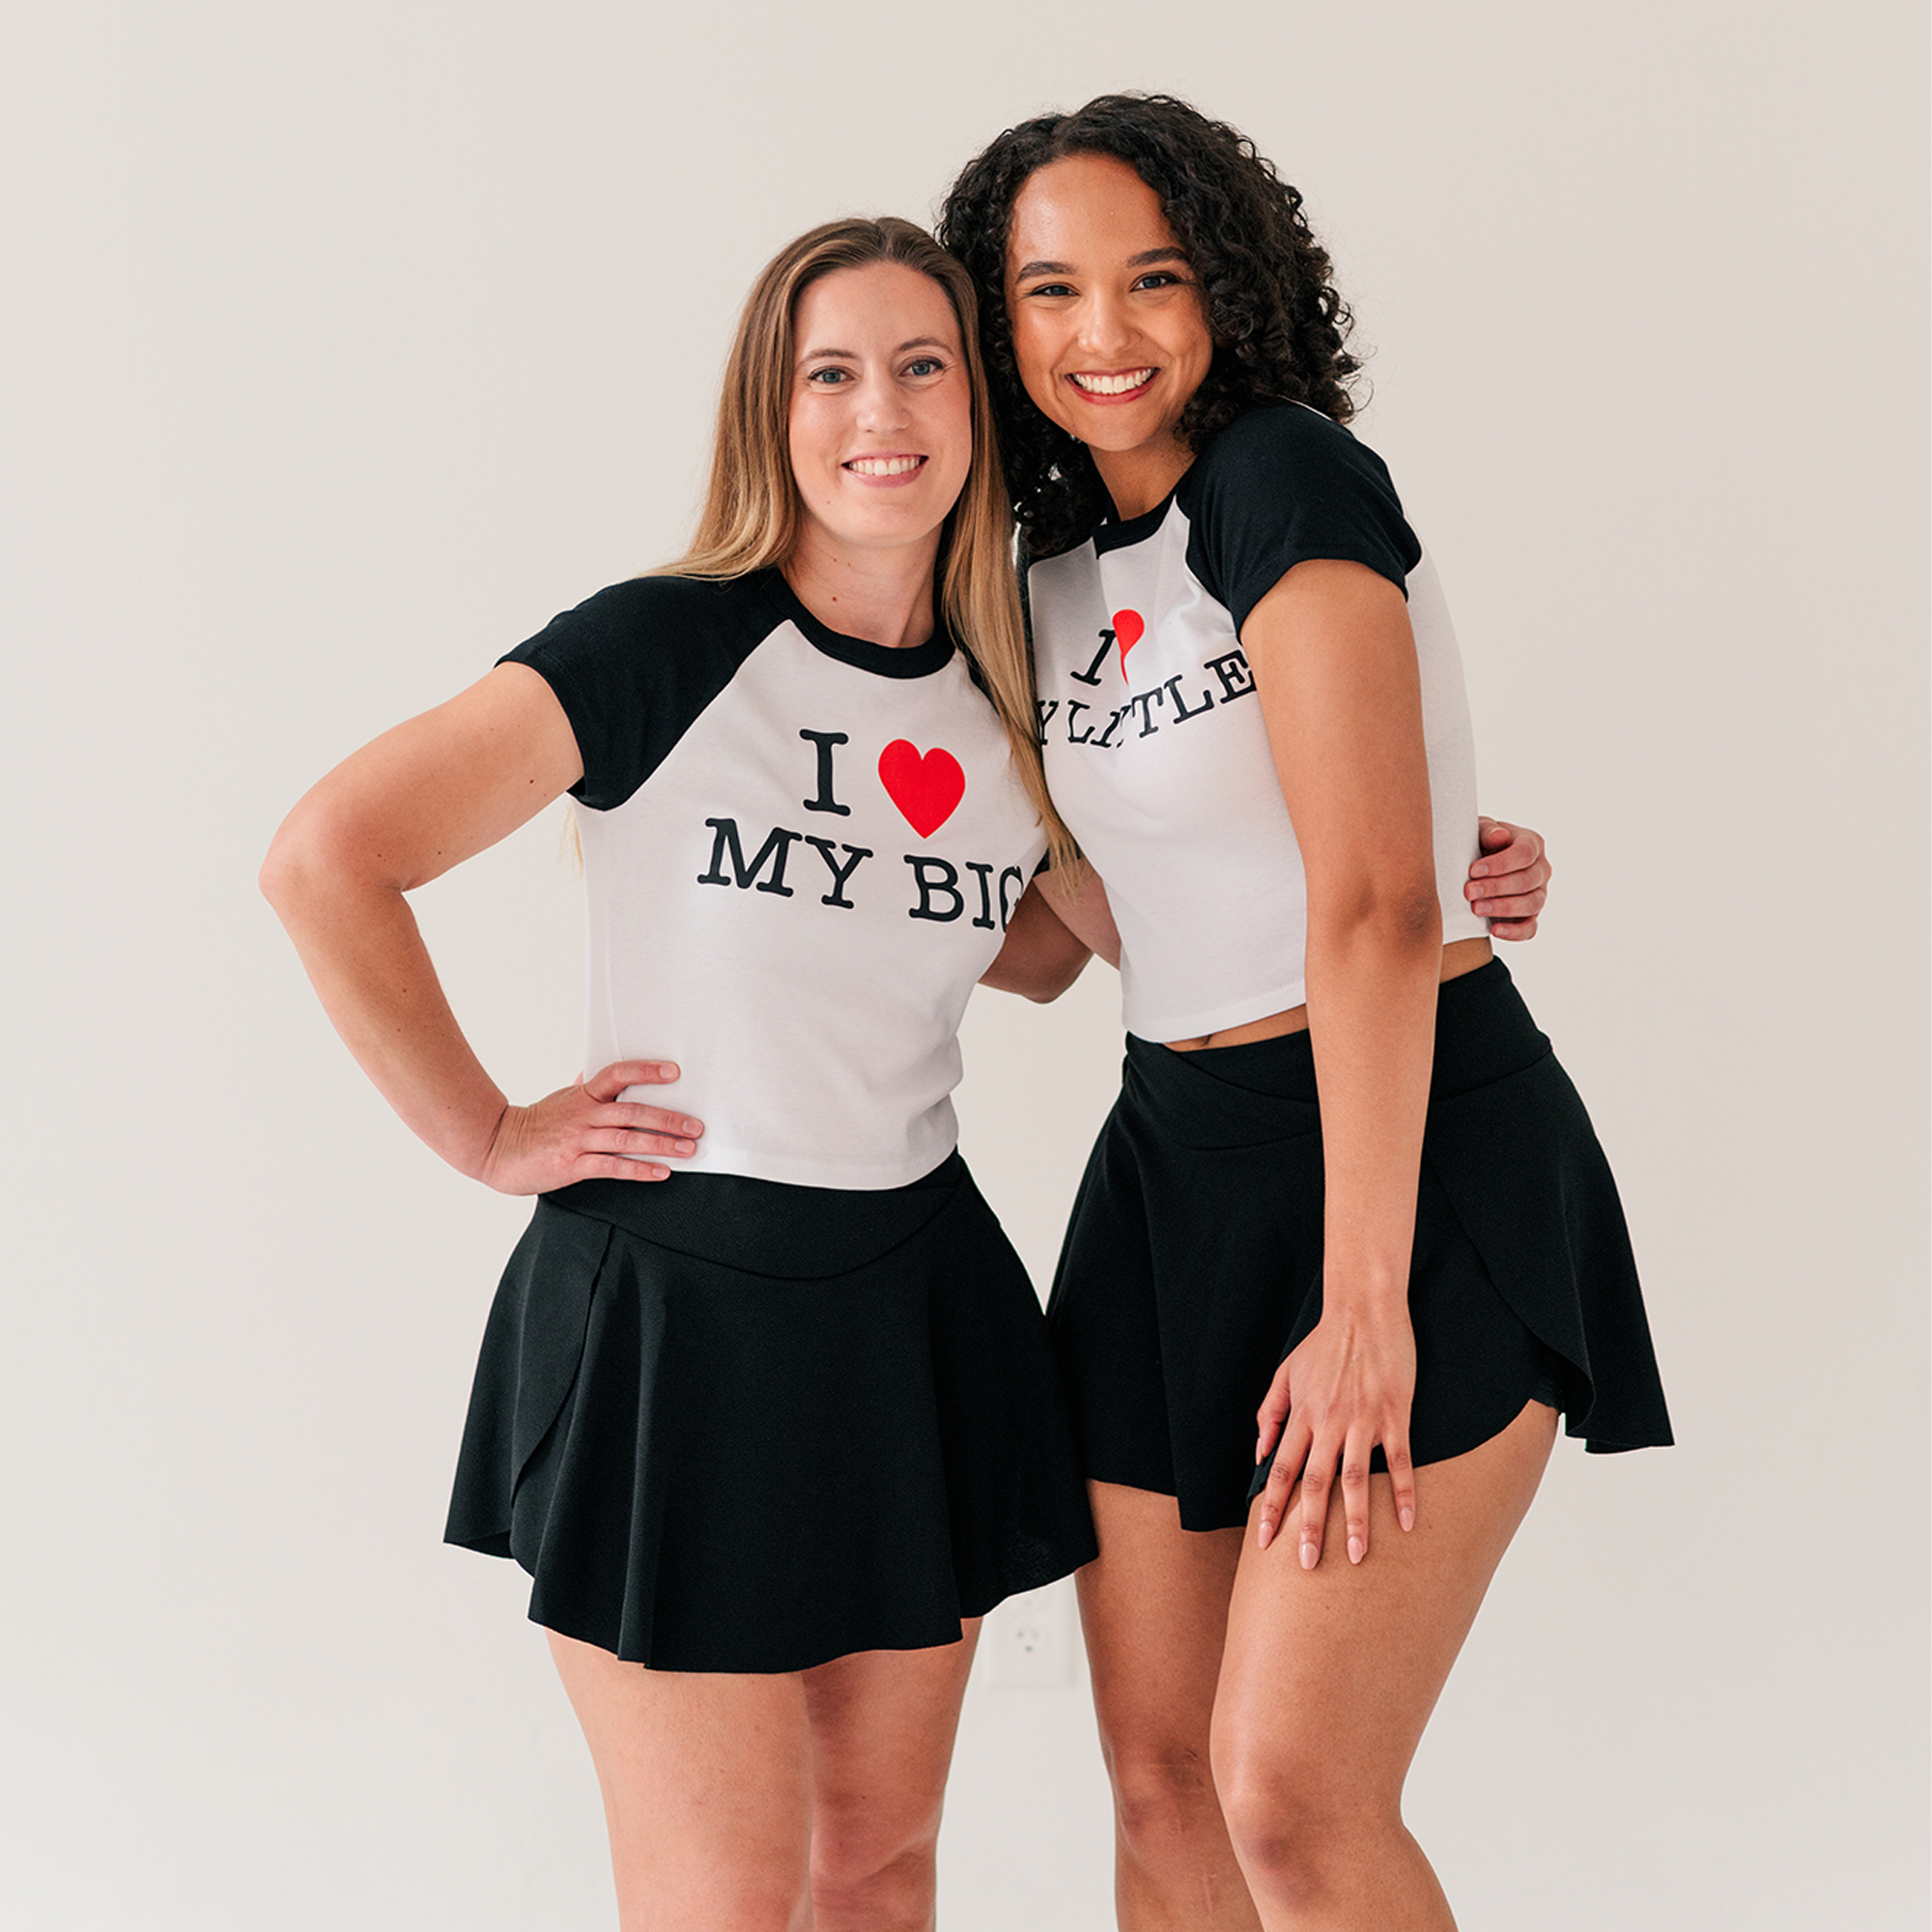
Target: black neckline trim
{"type": "Point", "coordinates": [883, 660]}
{"type": "Point", "coordinates": [1117, 534]}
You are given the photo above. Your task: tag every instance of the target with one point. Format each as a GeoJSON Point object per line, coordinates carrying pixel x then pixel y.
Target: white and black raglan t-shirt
{"type": "Point", "coordinates": [801, 851]}
{"type": "Point", "coordinates": [1157, 752]}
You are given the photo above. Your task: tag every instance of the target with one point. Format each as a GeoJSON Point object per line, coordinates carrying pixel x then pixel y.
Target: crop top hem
{"type": "Point", "coordinates": [1160, 1028]}
{"type": "Point", "coordinates": [796, 1171]}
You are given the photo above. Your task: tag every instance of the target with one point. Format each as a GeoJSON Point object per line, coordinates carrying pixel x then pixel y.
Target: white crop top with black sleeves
{"type": "Point", "coordinates": [1159, 763]}
{"type": "Point", "coordinates": [801, 851]}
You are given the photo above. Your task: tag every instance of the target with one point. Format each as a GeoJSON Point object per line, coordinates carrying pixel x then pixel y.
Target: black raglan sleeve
{"type": "Point", "coordinates": [1283, 485]}
{"type": "Point", "coordinates": [635, 664]}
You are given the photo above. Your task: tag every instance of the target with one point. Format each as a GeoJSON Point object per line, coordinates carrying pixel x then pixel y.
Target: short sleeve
{"type": "Point", "coordinates": [635, 664]}
{"type": "Point", "coordinates": [1281, 486]}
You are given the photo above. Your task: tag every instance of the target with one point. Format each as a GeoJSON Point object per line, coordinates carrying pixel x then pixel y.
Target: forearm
{"type": "Point", "coordinates": [1078, 898]}
{"type": "Point", "coordinates": [1372, 979]}
{"type": "Point", "coordinates": [1039, 958]}
{"type": "Point", "coordinates": [365, 957]}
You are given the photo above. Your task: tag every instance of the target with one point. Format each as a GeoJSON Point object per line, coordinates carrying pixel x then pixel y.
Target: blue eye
{"type": "Point", "coordinates": [927, 365]}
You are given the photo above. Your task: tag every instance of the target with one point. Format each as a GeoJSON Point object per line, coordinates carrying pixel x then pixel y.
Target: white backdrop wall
{"type": "Point", "coordinates": [346, 343]}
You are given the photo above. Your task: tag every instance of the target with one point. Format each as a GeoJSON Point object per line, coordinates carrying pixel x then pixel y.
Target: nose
{"type": "Point", "coordinates": [881, 408]}
{"type": "Point", "coordinates": [1105, 329]}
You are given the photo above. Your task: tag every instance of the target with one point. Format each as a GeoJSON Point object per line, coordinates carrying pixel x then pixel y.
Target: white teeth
{"type": "Point", "coordinates": [884, 465]}
{"type": "Point", "coordinates": [1113, 385]}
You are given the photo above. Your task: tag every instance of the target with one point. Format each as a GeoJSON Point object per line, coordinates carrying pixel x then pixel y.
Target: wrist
{"type": "Point", "coordinates": [1369, 1290]}
{"type": "Point", "coordinates": [473, 1144]}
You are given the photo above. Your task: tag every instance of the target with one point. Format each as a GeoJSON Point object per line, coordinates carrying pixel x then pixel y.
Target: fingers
{"type": "Point", "coordinates": [646, 1120]}
{"type": "Point", "coordinates": [635, 1146]}
{"type": "Point", "coordinates": [1513, 929]}
{"type": "Point", "coordinates": [1516, 904]}
{"type": "Point", "coordinates": [1316, 1480]}
{"type": "Point", "coordinates": [1354, 1498]}
{"type": "Point", "coordinates": [611, 1081]}
{"type": "Point", "coordinates": [1288, 1465]}
{"type": "Point", "coordinates": [1315, 1465]}
{"type": "Point", "coordinates": [1271, 1414]}
{"type": "Point", "coordinates": [1402, 1478]}
{"type": "Point", "coordinates": [614, 1167]}
{"type": "Point", "coordinates": [1507, 848]}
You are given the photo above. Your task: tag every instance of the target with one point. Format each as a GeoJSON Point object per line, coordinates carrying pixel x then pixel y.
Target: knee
{"type": "Point", "coordinates": [1163, 1796]}
{"type": "Point", "coordinates": [874, 1864]}
{"type": "Point", "coordinates": [1296, 1830]}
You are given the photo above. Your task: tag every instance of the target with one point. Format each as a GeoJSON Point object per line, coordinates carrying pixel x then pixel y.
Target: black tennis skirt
{"type": "Point", "coordinates": [1193, 1262]}
{"type": "Point", "coordinates": [732, 1425]}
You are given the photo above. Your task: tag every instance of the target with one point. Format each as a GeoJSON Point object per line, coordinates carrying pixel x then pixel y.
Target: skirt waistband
{"type": "Point", "coordinates": [767, 1227]}
{"type": "Point", "coordinates": [1484, 1032]}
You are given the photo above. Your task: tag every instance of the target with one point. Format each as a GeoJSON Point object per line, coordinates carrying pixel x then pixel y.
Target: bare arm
{"type": "Point", "coordinates": [1062, 921]}
{"type": "Point", "coordinates": [1080, 899]}
{"type": "Point", "coordinates": [401, 812]}
{"type": "Point", "coordinates": [1039, 957]}
{"type": "Point", "coordinates": [1334, 662]}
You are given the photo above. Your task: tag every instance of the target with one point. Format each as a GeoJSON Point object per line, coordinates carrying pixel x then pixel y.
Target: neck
{"type": "Point", "coordinates": [1138, 478]}
{"type": "Point", "coordinates": [883, 596]}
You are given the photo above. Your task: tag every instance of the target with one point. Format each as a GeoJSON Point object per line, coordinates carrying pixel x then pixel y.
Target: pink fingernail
{"type": "Point", "coordinates": [1357, 1549]}
{"type": "Point", "coordinates": [1406, 1516]}
{"type": "Point", "coordinates": [1265, 1535]}
{"type": "Point", "coordinates": [685, 1147]}
{"type": "Point", "coordinates": [1311, 1556]}
{"type": "Point", "coordinates": [693, 1126]}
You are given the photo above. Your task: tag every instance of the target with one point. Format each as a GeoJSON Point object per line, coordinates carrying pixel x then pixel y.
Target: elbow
{"type": "Point", "coordinates": [307, 863]}
{"type": "Point", "coordinates": [1398, 915]}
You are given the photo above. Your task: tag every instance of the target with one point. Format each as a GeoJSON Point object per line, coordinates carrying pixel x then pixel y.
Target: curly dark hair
{"type": "Point", "coordinates": [1280, 327]}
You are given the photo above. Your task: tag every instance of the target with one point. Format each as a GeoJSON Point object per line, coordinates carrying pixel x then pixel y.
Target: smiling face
{"type": "Point", "coordinates": [881, 414]}
{"type": "Point", "coordinates": [1108, 325]}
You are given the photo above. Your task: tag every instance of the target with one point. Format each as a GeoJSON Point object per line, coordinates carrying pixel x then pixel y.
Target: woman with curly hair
{"type": "Point", "coordinates": [1348, 1217]}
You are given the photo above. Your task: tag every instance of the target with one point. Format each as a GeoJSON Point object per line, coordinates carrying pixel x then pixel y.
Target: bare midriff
{"type": "Point", "coordinates": [1458, 956]}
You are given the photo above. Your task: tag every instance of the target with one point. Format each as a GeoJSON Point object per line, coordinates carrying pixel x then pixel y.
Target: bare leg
{"type": "Point", "coordinates": [882, 1729]}
{"type": "Point", "coordinates": [707, 1791]}
{"type": "Point", "coordinates": [1155, 1607]}
{"type": "Point", "coordinates": [1330, 1676]}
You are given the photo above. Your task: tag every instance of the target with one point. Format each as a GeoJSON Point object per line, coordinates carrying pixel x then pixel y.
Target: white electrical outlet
{"type": "Point", "coordinates": [1028, 1640]}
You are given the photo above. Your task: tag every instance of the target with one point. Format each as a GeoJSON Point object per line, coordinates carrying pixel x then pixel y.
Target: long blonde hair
{"type": "Point", "coordinates": [752, 510]}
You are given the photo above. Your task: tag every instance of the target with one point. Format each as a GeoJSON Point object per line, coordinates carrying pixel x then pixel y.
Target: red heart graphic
{"type": "Point", "coordinates": [1129, 626]}
{"type": "Point", "coordinates": [926, 788]}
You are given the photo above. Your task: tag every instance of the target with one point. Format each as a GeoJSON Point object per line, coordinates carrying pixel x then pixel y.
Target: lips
{"type": "Point", "coordinates": [1113, 385]}
{"type": "Point", "coordinates": [885, 466]}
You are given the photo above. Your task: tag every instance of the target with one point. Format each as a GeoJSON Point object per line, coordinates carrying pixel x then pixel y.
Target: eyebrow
{"type": "Point", "coordinates": [1145, 259]}
{"type": "Point", "coordinates": [852, 354]}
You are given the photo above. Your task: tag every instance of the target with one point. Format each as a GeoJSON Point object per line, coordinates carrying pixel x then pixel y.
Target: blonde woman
{"type": "Point", "coordinates": [771, 1438]}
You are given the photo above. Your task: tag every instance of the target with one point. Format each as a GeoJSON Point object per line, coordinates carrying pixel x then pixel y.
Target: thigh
{"type": "Point", "coordinates": [882, 1725]}
{"type": "Point", "coordinates": [707, 1779]}
{"type": "Point", "coordinates": [1154, 1607]}
{"type": "Point", "coordinates": [1329, 1675]}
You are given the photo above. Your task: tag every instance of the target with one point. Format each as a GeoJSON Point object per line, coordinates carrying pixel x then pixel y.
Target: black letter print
{"type": "Point", "coordinates": [1237, 679]}
{"type": "Point", "coordinates": [825, 802]}
{"type": "Point", "coordinates": [946, 881]}
{"type": "Point", "coordinates": [1113, 725]}
{"type": "Point", "coordinates": [777, 848]}
{"type": "Point", "coordinates": [1092, 674]}
{"type": "Point", "coordinates": [840, 874]}
{"type": "Point", "coordinates": [1147, 700]}
{"type": "Point", "coordinates": [1007, 905]}
{"type": "Point", "coordinates": [986, 873]}
{"type": "Point", "coordinates": [1074, 737]}
{"type": "Point", "coordinates": [1046, 707]}
{"type": "Point", "coordinates": [1180, 711]}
